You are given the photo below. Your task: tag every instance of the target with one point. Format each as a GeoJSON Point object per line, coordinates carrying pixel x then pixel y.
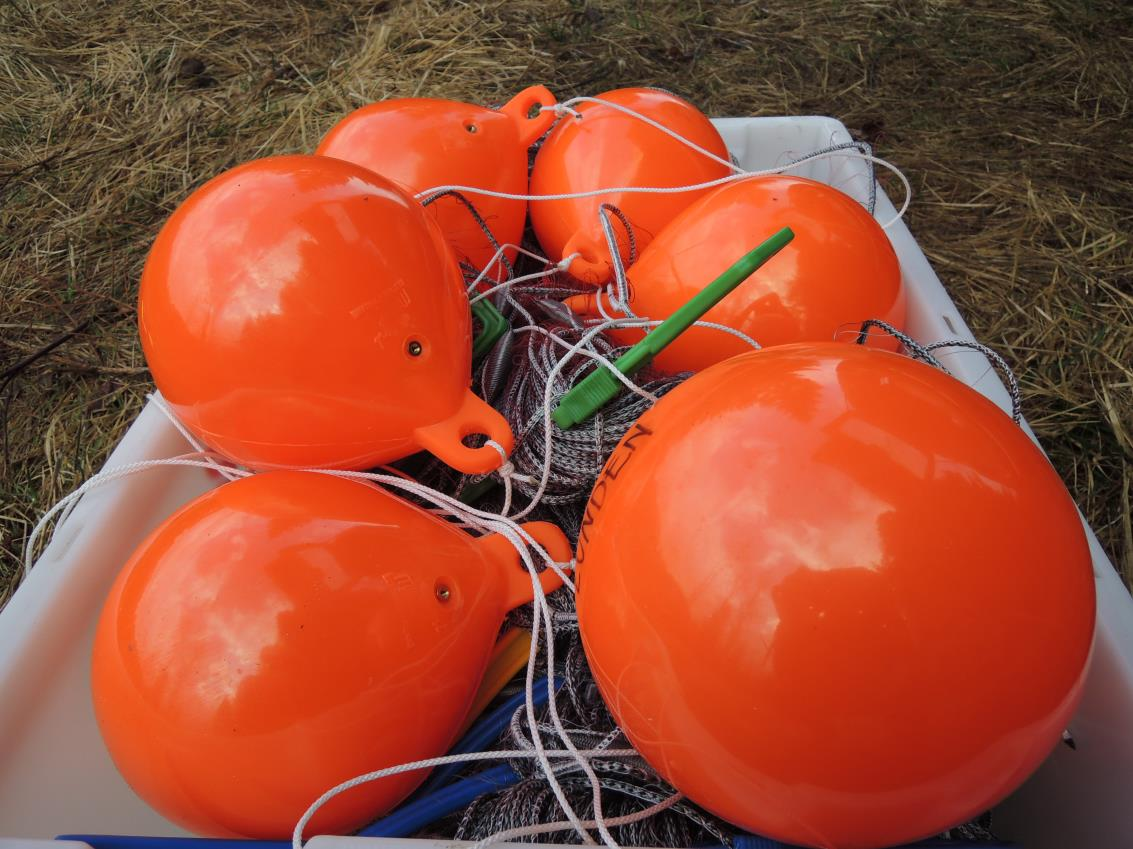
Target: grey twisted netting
{"type": "Point", "coordinates": [531, 802]}
{"type": "Point", "coordinates": [628, 786]}
{"type": "Point", "coordinates": [924, 353]}
{"type": "Point", "coordinates": [914, 348]}
{"type": "Point", "coordinates": [998, 362]}
{"type": "Point", "coordinates": [864, 149]}
{"type": "Point", "coordinates": [577, 455]}
{"type": "Point", "coordinates": [513, 377]}
{"type": "Point", "coordinates": [477, 217]}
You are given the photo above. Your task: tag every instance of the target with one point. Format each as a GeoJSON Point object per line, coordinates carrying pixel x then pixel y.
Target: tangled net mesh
{"type": "Point", "coordinates": [524, 370]}
{"type": "Point", "coordinates": [544, 352]}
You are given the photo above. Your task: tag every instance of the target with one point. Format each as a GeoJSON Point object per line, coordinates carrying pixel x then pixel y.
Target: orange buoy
{"type": "Point", "coordinates": [303, 311]}
{"type": "Point", "coordinates": [289, 631]}
{"type": "Point", "coordinates": [422, 143]}
{"type": "Point", "coordinates": [835, 596]}
{"type": "Point", "coordinates": [839, 271]}
{"type": "Point", "coordinates": [606, 148]}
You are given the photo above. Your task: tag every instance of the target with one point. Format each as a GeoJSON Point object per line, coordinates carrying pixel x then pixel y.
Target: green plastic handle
{"type": "Point", "coordinates": [600, 386]}
{"type": "Point", "coordinates": [493, 326]}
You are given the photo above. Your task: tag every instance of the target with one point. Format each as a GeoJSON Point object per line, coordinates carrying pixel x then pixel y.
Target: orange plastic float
{"type": "Point", "coordinates": [303, 311]}
{"type": "Point", "coordinates": [423, 143]}
{"type": "Point", "coordinates": [839, 271]}
{"type": "Point", "coordinates": [607, 148]}
{"type": "Point", "coordinates": [289, 631]}
{"type": "Point", "coordinates": [835, 596]}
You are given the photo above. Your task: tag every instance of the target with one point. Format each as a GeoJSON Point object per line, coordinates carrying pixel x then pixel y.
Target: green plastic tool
{"type": "Point", "coordinates": [473, 492]}
{"type": "Point", "coordinates": [493, 325]}
{"type": "Point", "coordinates": [600, 386]}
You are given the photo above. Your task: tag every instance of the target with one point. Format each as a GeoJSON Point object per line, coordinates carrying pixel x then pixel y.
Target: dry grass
{"type": "Point", "coordinates": [1014, 124]}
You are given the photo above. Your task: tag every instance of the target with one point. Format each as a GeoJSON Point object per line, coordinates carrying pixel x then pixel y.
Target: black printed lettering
{"type": "Point", "coordinates": [618, 461]}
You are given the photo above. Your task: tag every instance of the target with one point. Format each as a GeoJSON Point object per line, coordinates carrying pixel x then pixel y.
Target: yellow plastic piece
{"type": "Point", "coordinates": [508, 657]}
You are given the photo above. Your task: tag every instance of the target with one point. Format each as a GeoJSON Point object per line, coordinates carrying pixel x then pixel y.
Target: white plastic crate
{"type": "Point", "coordinates": [57, 778]}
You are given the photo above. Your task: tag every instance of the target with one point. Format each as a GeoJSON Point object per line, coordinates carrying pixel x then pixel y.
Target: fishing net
{"type": "Point", "coordinates": [543, 351]}
{"type": "Point", "coordinates": [552, 471]}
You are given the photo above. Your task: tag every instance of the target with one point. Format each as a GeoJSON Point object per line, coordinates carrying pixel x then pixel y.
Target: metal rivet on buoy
{"type": "Point", "coordinates": [414, 348]}
{"type": "Point", "coordinates": [443, 593]}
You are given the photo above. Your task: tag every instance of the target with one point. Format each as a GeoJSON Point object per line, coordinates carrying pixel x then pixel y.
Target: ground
{"type": "Point", "coordinates": [1013, 122]}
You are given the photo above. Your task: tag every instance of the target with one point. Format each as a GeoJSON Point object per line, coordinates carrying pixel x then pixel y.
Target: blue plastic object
{"type": "Point", "coordinates": [740, 841]}
{"type": "Point", "coordinates": [405, 821]}
{"type": "Point", "coordinates": [481, 735]}
{"type": "Point", "coordinates": [121, 841]}
{"type": "Point", "coordinates": [411, 818]}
